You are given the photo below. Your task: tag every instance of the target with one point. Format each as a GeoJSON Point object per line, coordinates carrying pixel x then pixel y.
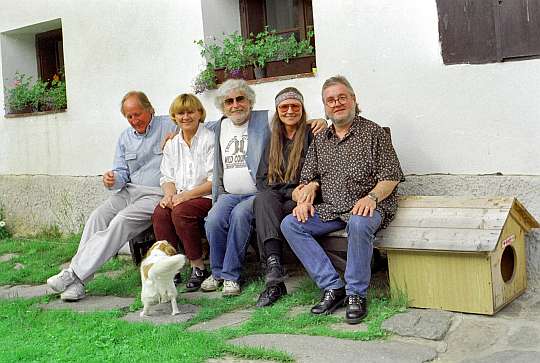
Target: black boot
{"type": "Point", "coordinates": [177, 279]}
{"type": "Point", "coordinates": [196, 279]}
{"type": "Point", "coordinates": [330, 301]}
{"type": "Point", "coordinates": [356, 309]}
{"type": "Point", "coordinates": [271, 294]}
{"type": "Point", "coordinates": [274, 270]}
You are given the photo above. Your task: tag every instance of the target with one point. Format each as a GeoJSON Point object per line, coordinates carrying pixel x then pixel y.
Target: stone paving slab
{"type": "Point", "coordinates": [231, 319]}
{"type": "Point", "coordinates": [161, 314]}
{"type": "Point", "coordinates": [237, 360]}
{"type": "Point", "coordinates": [91, 304]}
{"type": "Point", "coordinates": [24, 291]}
{"type": "Point", "coordinates": [475, 336]}
{"type": "Point", "coordinates": [314, 349]}
{"type": "Point", "coordinates": [8, 256]}
{"type": "Point", "coordinates": [200, 294]}
{"type": "Point", "coordinates": [420, 323]}
{"type": "Point", "coordinates": [352, 328]}
{"type": "Point", "coordinates": [514, 356]}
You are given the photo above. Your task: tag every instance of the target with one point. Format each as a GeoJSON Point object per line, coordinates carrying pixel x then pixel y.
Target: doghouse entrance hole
{"type": "Point", "coordinates": [508, 263]}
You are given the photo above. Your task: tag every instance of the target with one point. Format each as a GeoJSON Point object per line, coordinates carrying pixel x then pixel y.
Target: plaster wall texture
{"type": "Point", "coordinates": [66, 202]}
{"type": "Point", "coordinates": [460, 119]}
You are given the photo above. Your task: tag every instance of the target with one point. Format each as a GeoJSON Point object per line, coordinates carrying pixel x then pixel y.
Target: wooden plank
{"type": "Point", "coordinates": [475, 218]}
{"type": "Point", "coordinates": [523, 217]}
{"type": "Point", "coordinates": [456, 282]}
{"type": "Point", "coordinates": [416, 201]}
{"type": "Point", "coordinates": [513, 236]}
{"type": "Point", "coordinates": [443, 239]}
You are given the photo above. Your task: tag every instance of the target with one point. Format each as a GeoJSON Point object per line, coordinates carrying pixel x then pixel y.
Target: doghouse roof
{"type": "Point", "coordinates": [452, 223]}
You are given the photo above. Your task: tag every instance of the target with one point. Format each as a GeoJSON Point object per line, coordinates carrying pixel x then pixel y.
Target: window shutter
{"type": "Point", "coordinates": [467, 31]}
{"type": "Point", "coordinates": [520, 28]}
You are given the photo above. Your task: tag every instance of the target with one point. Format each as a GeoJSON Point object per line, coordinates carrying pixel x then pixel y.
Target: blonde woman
{"type": "Point", "coordinates": [186, 169]}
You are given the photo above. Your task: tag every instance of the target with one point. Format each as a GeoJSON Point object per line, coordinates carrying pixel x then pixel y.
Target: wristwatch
{"type": "Point", "coordinates": [373, 196]}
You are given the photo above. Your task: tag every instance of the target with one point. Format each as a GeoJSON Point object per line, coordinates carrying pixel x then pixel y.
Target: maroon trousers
{"type": "Point", "coordinates": [182, 225]}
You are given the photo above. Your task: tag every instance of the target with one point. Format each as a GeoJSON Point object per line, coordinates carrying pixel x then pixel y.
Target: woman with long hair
{"type": "Point", "coordinates": [277, 178]}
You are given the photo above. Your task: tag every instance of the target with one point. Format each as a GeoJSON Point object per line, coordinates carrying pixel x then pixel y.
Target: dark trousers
{"type": "Point", "coordinates": [182, 225]}
{"type": "Point", "coordinates": [270, 207]}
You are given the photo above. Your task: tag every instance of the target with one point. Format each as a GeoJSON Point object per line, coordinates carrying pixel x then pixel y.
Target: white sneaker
{"type": "Point", "coordinates": [231, 288]}
{"type": "Point", "coordinates": [61, 281]}
{"type": "Point", "coordinates": [74, 292]}
{"type": "Point", "coordinates": [211, 284]}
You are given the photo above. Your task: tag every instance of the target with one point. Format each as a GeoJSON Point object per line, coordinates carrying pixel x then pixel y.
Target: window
{"type": "Point", "coordinates": [32, 68]}
{"type": "Point", "coordinates": [50, 55]}
{"type": "Point", "coordinates": [284, 16]}
{"type": "Point", "coordinates": [482, 31]}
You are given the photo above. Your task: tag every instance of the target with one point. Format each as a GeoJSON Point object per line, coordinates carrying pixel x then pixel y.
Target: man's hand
{"type": "Point", "coordinates": [303, 211]}
{"type": "Point", "coordinates": [181, 198]}
{"type": "Point", "coordinates": [109, 179]}
{"type": "Point", "coordinates": [166, 202]}
{"type": "Point", "coordinates": [364, 207]}
{"type": "Point", "coordinates": [318, 125]}
{"type": "Point", "coordinates": [305, 193]}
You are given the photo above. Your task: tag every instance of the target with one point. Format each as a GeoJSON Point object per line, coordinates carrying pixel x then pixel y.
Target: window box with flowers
{"type": "Point", "coordinates": [27, 97]}
{"type": "Point", "coordinates": [266, 54]}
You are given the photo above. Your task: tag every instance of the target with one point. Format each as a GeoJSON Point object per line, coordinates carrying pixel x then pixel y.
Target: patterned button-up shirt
{"type": "Point", "coordinates": [348, 169]}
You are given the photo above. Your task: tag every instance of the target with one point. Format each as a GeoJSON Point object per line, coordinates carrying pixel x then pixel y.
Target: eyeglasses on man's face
{"type": "Point", "coordinates": [230, 101]}
{"type": "Point", "coordinates": [341, 100]}
{"type": "Point", "coordinates": [286, 107]}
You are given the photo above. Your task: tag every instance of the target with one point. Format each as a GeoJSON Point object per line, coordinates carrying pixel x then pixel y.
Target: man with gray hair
{"type": "Point", "coordinates": [240, 138]}
{"type": "Point", "coordinates": [356, 169]}
{"type": "Point", "coordinates": [126, 213]}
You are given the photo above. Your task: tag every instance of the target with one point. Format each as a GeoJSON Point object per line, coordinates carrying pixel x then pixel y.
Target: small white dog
{"type": "Point", "coordinates": [158, 268]}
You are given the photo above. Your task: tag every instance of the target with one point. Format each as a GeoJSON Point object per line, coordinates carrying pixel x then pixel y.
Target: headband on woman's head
{"type": "Point", "coordinates": [289, 95]}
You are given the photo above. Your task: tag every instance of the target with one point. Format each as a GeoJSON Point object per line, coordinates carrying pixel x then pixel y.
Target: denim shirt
{"type": "Point", "coordinates": [138, 156]}
{"type": "Point", "coordinates": [258, 136]}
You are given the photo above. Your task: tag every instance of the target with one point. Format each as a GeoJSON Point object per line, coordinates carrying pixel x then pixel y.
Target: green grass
{"type": "Point", "coordinates": [33, 334]}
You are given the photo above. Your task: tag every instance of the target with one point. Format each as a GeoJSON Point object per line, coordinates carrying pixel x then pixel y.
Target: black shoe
{"type": "Point", "coordinates": [177, 279]}
{"type": "Point", "coordinates": [196, 279]}
{"type": "Point", "coordinates": [274, 270]}
{"type": "Point", "coordinates": [356, 309]}
{"type": "Point", "coordinates": [331, 300]}
{"type": "Point", "coordinates": [271, 294]}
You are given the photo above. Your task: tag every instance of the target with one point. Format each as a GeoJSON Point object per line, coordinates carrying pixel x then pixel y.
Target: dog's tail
{"type": "Point", "coordinates": [167, 266]}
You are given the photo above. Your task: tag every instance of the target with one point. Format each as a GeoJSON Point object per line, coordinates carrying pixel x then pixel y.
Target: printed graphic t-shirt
{"type": "Point", "coordinates": [234, 141]}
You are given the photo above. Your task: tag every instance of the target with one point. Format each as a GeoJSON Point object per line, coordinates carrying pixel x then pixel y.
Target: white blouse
{"type": "Point", "coordinates": [188, 167]}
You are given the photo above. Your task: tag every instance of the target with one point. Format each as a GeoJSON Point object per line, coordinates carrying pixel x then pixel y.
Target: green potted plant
{"type": "Point", "coordinates": [25, 97]}
{"type": "Point", "coordinates": [261, 48]}
{"type": "Point", "coordinates": [294, 57]}
{"type": "Point", "coordinates": [205, 80]}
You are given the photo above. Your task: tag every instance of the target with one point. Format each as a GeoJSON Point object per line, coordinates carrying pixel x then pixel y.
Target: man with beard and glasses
{"type": "Point", "coordinates": [356, 169]}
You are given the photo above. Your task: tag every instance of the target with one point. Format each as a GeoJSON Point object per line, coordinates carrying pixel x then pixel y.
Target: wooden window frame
{"type": "Point", "coordinates": [253, 18]}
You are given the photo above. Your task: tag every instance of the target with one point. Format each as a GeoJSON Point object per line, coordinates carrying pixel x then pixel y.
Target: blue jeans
{"type": "Point", "coordinates": [228, 228]}
{"type": "Point", "coordinates": [361, 232]}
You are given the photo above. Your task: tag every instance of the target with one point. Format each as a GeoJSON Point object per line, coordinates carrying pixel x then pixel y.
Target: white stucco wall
{"type": "Point", "coordinates": [220, 17]}
{"type": "Point", "coordinates": [110, 47]}
{"type": "Point", "coordinates": [460, 119]}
